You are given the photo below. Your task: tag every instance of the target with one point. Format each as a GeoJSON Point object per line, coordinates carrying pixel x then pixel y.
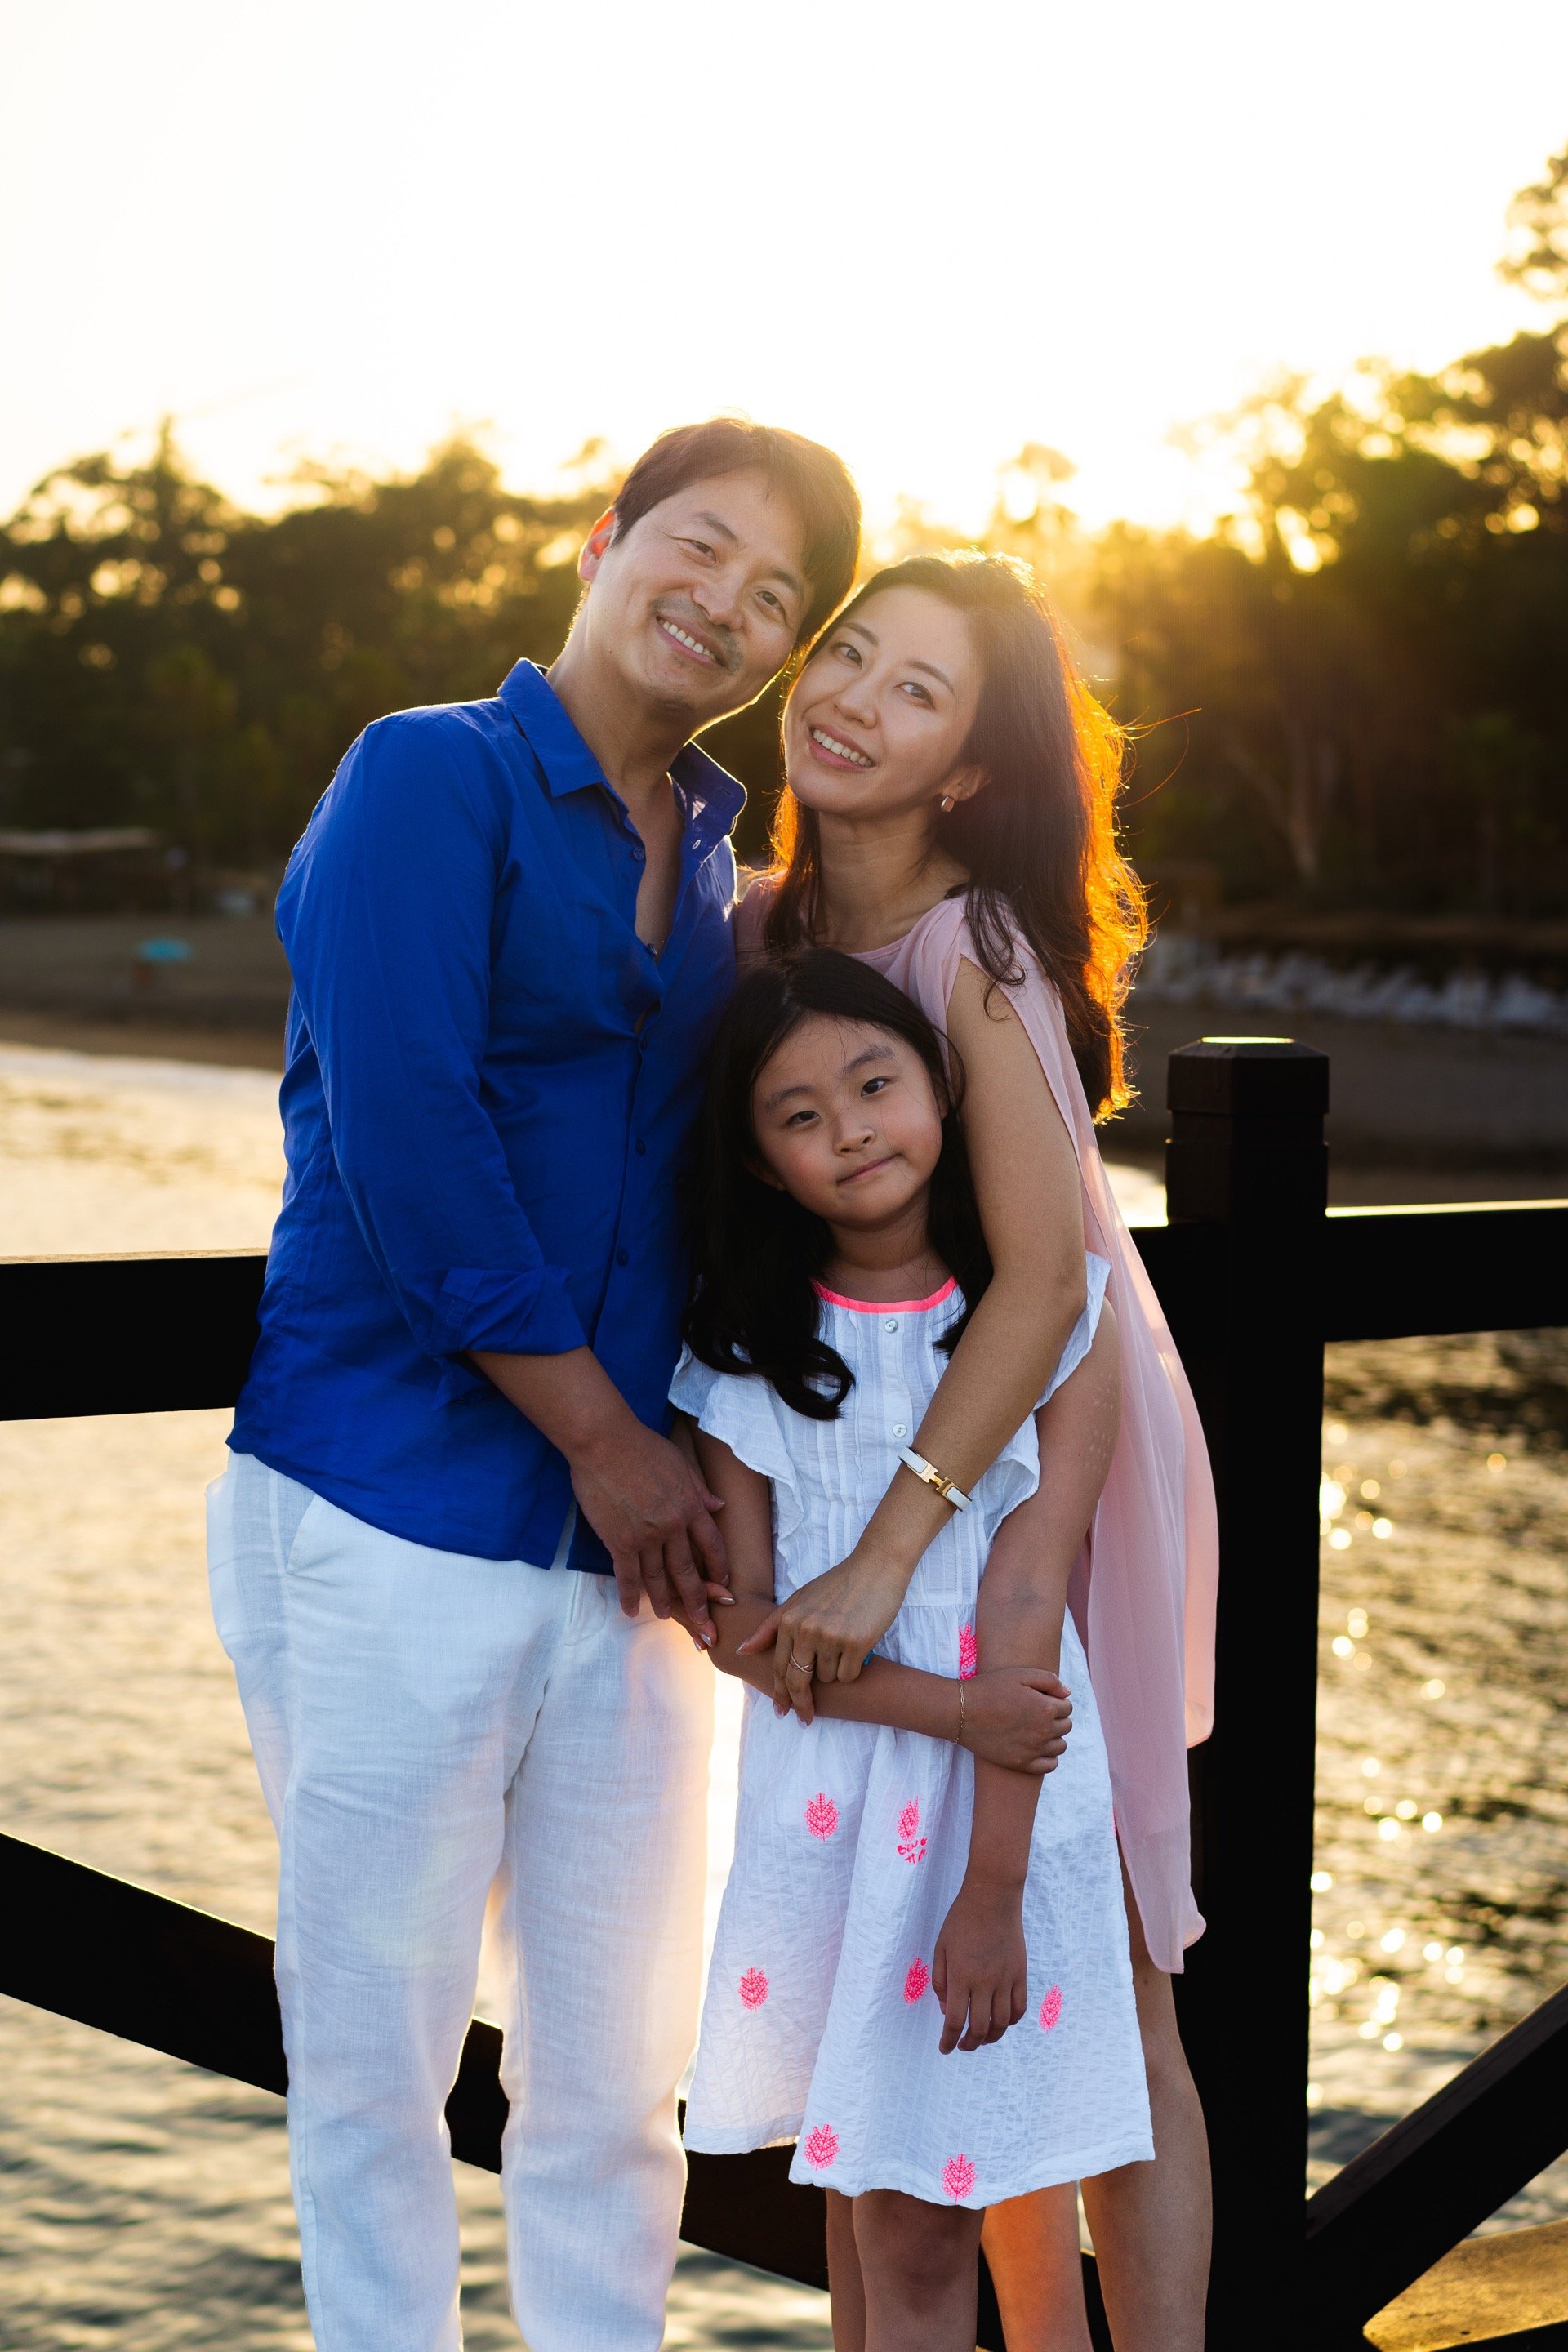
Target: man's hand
{"type": "Point", "coordinates": [641, 1495]}
{"type": "Point", "coordinates": [980, 1970]}
{"type": "Point", "coordinates": [825, 1631]}
{"type": "Point", "coordinates": [1018, 1716]}
{"type": "Point", "coordinates": [721, 1596]}
{"type": "Point", "coordinates": [651, 1509]}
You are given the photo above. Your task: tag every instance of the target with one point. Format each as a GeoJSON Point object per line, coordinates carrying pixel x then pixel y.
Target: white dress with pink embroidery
{"type": "Point", "coordinates": [820, 2024]}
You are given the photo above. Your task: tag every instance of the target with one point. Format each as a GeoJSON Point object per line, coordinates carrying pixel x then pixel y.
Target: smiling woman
{"type": "Point", "coordinates": [950, 819]}
{"type": "Point", "coordinates": [939, 727]}
{"type": "Point", "coordinates": [894, 688]}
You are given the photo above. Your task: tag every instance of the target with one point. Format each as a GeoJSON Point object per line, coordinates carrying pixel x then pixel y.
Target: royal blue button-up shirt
{"type": "Point", "coordinates": [488, 1103]}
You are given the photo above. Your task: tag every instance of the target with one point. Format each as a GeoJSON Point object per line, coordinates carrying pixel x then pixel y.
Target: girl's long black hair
{"type": "Point", "coordinates": [756, 1250]}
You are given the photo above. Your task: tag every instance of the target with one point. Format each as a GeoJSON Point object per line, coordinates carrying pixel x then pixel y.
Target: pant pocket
{"type": "Point", "coordinates": [223, 1560]}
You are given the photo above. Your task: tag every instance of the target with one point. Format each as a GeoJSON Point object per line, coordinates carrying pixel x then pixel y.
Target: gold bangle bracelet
{"type": "Point", "coordinates": [929, 1476]}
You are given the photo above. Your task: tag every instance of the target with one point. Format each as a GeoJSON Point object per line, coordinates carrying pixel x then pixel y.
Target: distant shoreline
{"type": "Point", "coordinates": [1417, 1113]}
{"type": "Point", "coordinates": [1386, 1177]}
{"type": "Point", "coordinates": [151, 1041]}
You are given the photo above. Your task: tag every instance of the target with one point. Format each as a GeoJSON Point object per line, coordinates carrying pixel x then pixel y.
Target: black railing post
{"type": "Point", "coordinates": [1247, 1160]}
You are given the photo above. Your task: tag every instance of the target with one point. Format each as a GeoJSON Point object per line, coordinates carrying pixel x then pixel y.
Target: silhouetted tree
{"type": "Point", "coordinates": [1371, 653]}
{"type": "Point", "coordinates": [1352, 691]}
{"type": "Point", "coordinates": [166, 659]}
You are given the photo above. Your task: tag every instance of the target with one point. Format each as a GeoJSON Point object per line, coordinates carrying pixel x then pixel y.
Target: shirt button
{"type": "Point", "coordinates": [900, 1429]}
{"type": "Point", "coordinates": [638, 852]}
{"type": "Point", "coordinates": [623, 1258]}
{"type": "Point", "coordinates": [641, 1148]}
{"type": "Point", "coordinates": [892, 1324]}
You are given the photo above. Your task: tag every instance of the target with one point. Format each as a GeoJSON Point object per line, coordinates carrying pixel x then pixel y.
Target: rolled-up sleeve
{"type": "Point", "coordinates": [386, 915]}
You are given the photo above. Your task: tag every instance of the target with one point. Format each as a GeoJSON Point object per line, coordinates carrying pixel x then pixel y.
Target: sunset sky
{"type": "Point", "coordinates": [926, 234]}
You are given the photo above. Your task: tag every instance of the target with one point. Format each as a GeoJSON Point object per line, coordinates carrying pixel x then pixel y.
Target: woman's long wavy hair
{"type": "Point", "coordinates": [756, 1250]}
{"type": "Point", "coordinates": [1039, 841]}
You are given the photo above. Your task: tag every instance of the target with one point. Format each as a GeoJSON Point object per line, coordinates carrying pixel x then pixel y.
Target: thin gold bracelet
{"type": "Point", "coordinates": [961, 1698]}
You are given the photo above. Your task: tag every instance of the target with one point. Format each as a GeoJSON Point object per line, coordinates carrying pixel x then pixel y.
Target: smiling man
{"type": "Point", "coordinates": [447, 1549]}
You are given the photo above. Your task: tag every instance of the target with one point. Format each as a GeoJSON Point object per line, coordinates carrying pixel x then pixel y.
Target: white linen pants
{"type": "Point", "coordinates": [426, 1724]}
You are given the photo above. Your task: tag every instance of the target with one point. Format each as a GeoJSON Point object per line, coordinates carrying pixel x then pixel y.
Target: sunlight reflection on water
{"type": "Point", "coordinates": [1441, 1883]}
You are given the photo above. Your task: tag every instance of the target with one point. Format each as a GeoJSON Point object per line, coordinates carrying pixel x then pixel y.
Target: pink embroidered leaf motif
{"type": "Point", "coordinates": [1051, 2007]}
{"type": "Point", "coordinates": [915, 1983]}
{"type": "Point", "coordinates": [968, 1654]}
{"type": "Point", "coordinates": [911, 1846]}
{"type": "Point", "coordinates": [958, 2178]}
{"type": "Point", "coordinates": [753, 1988]}
{"type": "Point", "coordinates": [821, 2147]}
{"type": "Point", "coordinates": [822, 1816]}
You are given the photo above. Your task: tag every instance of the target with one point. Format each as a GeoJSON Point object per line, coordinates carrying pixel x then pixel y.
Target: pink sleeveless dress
{"type": "Point", "coordinates": [1143, 1595]}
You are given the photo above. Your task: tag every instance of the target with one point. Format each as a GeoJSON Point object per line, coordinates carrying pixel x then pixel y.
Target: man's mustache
{"type": "Point", "coordinates": [719, 641]}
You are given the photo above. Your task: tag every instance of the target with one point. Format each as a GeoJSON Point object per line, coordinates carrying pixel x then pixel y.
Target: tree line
{"type": "Point", "coordinates": [1352, 692]}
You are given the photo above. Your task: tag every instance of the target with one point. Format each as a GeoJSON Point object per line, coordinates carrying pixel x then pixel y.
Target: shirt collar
{"type": "Point", "coordinates": [713, 797]}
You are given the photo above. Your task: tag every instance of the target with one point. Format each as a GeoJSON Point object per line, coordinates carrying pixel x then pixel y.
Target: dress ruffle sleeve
{"type": "Point", "coordinates": [1014, 1474]}
{"type": "Point", "coordinates": [1081, 1338]}
{"type": "Point", "coordinates": [741, 1410]}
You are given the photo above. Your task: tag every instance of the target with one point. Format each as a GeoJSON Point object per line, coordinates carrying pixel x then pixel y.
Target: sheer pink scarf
{"type": "Point", "coordinates": [1143, 1595]}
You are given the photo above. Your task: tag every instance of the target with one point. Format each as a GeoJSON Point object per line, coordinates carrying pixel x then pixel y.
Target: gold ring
{"type": "Point", "coordinates": [799, 1664]}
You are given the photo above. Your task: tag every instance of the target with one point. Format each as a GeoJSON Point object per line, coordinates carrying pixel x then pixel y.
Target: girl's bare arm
{"type": "Point", "coordinates": [1018, 1715]}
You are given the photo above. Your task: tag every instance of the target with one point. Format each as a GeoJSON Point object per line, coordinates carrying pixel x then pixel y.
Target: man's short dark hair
{"type": "Point", "coordinates": [815, 483]}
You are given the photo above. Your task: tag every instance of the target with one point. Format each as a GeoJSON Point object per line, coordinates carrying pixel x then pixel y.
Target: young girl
{"type": "Point", "coordinates": [920, 1975]}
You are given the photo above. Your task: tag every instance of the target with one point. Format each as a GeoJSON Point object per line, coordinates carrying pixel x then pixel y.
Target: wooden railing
{"type": "Point", "coordinates": [1256, 1276]}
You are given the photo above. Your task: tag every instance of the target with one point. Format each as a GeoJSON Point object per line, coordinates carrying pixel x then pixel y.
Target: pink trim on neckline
{"type": "Point", "coordinates": [888, 1306]}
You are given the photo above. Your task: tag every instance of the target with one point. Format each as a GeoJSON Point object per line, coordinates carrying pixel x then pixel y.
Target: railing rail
{"type": "Point", "coordinates": [1255, 1275]}
{"type": "Point", "coordinates": [169, 1333]}
{"type": "Point", "coordinates": [201, 1988]}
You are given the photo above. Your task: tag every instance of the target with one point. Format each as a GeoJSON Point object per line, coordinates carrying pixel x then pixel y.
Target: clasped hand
{"type": "Point", "coordinates": [1017, 1716]}
{"type": "Point", "coordinates": [650, 1506]}
{"type": "Point", "coordinates": [825, 1631]}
